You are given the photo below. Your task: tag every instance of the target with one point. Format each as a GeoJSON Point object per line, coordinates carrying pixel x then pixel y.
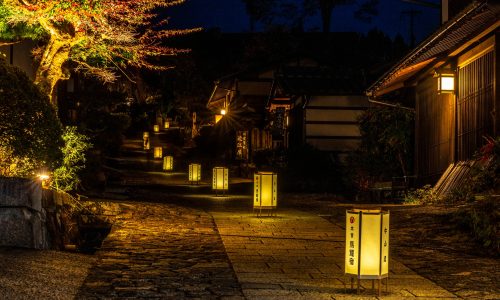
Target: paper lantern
{"type": "Point", "coordinates": [156, 128]}
{"type": "Point", "coordinates": [445, 83]}
{"type": "Point", "coordinates": [168, 163]}
{"type": "Point", "coordinates": [220, 179]}
{"type": "Point", "coordinates": [158, 152]}
{"type": "Point", "coordinates": [194, 173]}
{"type": "Point", "coordinates": [265, 191]}
{"type": "Point", "coordinates": [367, 244]}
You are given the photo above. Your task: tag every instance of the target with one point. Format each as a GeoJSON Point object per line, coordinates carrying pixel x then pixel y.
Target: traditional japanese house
{"type": "Point", "coordinates": [238, 103]}
{"type": "Point", "coordinates": [451, 80]}
{"type": "Point", "coordinates": [316, 105]}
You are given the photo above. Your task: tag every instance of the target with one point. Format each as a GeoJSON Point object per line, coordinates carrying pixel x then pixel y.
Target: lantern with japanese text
{"type": "Point", "coordinates": [158, 152]}
{"type": "Point", "coordinates": [168, 163]}
{"type": "Point", "coordinates": [194, 173]}
{"type": "Point", "coordinates": [367, 245]}
{"type": "Point", "coordinates": [265, 191]}
{"type": "Point", "coordinates": [220, 179]}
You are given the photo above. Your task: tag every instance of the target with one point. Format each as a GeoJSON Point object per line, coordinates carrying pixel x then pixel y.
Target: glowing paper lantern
{"type": "Point", "coordinates": [194, 173]}
{"type": "Point", "coordinates": [168, 163]}
{"type": "Point", "coordinates": [446, 83]}
{"type": "Point", "coordinates": [158, 152]}
{"type": "Point", "coordinates": [220, 179]}
{"type": "Point", "coordinates": [367, 244]}
{"type": "Point", "coordinates": [156, 128]}
{"type": "Point", "coordinates": [265, 191]}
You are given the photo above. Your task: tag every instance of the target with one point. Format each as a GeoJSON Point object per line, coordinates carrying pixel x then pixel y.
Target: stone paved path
{"type": "Point", "coordinates": [299, 255]}
{"type": "Point", "coordinates": [159, 251]}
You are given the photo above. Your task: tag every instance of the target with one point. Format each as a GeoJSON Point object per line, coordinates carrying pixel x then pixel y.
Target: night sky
{"type": "Point", "coordinates": [231, 16]}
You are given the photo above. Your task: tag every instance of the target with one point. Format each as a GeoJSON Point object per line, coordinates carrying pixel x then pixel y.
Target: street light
{"type": "Point", "coordinates": [220, 179]}
{"type": "Point", "coordinates": [265, 191]}
{"type": "Point", "coordinates": [367, 245]}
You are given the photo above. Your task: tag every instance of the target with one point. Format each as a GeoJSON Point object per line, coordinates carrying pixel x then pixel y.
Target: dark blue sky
{"type": "Point", "coordinates": [230, 16]}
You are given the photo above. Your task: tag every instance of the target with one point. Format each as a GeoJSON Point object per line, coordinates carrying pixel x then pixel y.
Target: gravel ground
{"type": "Point", "coordinates": [33, 274]}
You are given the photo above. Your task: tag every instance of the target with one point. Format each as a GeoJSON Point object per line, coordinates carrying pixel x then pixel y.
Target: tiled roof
{"type": "Point", "coordinates": [473, 20]}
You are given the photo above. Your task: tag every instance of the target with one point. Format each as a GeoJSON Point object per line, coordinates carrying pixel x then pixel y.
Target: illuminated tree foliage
{"type": "Point", "coordinates": [101, 38]}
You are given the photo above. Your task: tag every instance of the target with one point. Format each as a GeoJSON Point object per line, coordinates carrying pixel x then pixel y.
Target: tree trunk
{"type": "Point", "coordinates": [50, 70]}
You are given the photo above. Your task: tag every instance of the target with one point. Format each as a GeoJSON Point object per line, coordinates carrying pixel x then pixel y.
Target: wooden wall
{"type": "Point", "coordinates": [434, 131]}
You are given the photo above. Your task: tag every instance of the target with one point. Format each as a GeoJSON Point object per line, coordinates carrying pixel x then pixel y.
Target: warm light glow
{"type": "Point", "coordinates": [265, 190]}
{"type": "Point", "coordinates": [223, 112]}
{"type": "Point", "coordinates": [158, 152]}
{"type": "Point", "coordinates": [168, 163]}
{"type": "Point", "coordinates": [220, 178]}
{"type": "Point", "coordinates": [156, 128]}
{"type": "Point", "coordinates": [446, 83]}
{"type": "Point", "coordinates": [367, 243]}
{"type": "Point", "coordinates": [194, 173]}
{"type": "Point", "coordinates": [43, 176]}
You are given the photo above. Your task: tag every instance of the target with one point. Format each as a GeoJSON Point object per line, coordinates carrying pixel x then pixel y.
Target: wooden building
{"type": "Point", "coordinates": [320, 107]}
{"type": "Point", "coordinates": [450, 124]}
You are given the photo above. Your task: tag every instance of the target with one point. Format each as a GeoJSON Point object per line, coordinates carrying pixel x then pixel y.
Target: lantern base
{"type": "Point", "coordinates": [270, 209]}
{"type": "Point", "coordinates": [379, 279]}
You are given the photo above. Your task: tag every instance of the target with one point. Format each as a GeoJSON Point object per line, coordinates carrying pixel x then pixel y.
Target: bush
{"type": "Point", "coordinates": [66, 177]}
{"type": "Point", "coordinates": [30, 132]}
{"type": "Point", "coordinates": [481, 219]}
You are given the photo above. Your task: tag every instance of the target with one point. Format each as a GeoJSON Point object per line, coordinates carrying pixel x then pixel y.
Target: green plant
{"type": "Point", "coordinates": [481, 219]}
{"type": "Point", "coordinates": [30, 132]}
{"type": "Point", "coordinates": [424, 195]}
{"type": "Point", "coordinates": [66, 177]}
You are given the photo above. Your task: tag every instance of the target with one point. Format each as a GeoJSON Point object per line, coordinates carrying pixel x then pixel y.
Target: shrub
{"type": "Point", "coordinates": [30, 132]}
{"type": "Point", "coordinates": [66, 177]}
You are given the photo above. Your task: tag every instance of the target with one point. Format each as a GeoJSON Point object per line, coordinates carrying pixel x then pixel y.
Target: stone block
{"type": "Point", "coordinates": [22, 227]}
{"type": "Point", "coordinates": [20, 192]}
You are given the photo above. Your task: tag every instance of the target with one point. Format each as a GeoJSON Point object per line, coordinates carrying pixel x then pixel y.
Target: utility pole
{"type": "Point", "coordinates": [412, 13]}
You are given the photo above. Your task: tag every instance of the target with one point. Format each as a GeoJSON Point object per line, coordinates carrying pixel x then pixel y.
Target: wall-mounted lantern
{"type": "Point", "coordinates": [168, 163]}
{"type": "Point", "coordinates": [265, 191]}
{"type": "Point", "coordinates": [367, 245]}
{"type": "Point", "coordinates": [445, 82]}
{"type": "Point", "coordinates": [194, 173]}
{"type": "Point", "coordinates": [220, 179]}
{"type": "Point", "coordinates": [158, 152]}
{"type": "Point", "coordinates": [156, 128]}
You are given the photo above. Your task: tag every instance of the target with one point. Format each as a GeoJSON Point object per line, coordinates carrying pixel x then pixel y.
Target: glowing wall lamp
{"type": "Point", "coordinates": [158, 152]}
{"type": "Point", "coordinates": [168, 163]}
{"type": "Point", "coordinates": [156, 128]}
{"type": "Point", "coordinates": [265, 191]}
{"type": "Point", "coordinates": [367, 245]}
{"type": "Point", "coordinates": [194, 173]}
{"type": "Point", "coordinates": [220, 179]}
{"type": "Point", "coordinates": [445, 82]}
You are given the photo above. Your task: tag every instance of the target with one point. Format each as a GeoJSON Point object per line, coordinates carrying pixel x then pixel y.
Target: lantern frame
{"type": "Point", "coordinates": [265, 192]}
{"type": "Point", "coordinates": [220, 179]}
{"type": "Point", "coordinates": [367, 245]}
{"type": "Point", "coordinates": [158, 152]}
{"type": "Point", "coordinates": [194, 175]}
{"type": "Point", "coordinates": [445, 82]}
{"type": "Point", "coordinates": [168, 163]}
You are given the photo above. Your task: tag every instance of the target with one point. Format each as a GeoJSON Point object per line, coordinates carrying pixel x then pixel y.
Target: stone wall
{"type": "Point", "coordinates": [22, 218]}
